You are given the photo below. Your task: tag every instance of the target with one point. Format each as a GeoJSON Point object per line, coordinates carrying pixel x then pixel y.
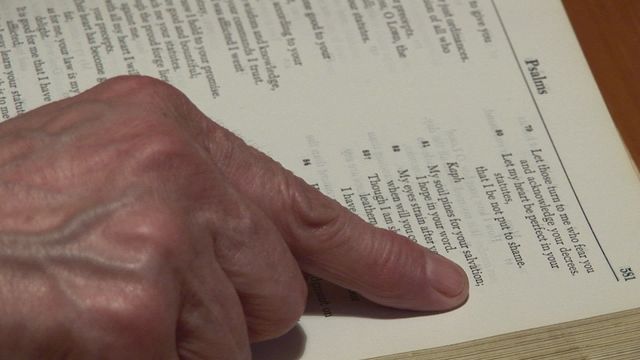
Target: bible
{"type": "Point", "coordinates": [472, 127]}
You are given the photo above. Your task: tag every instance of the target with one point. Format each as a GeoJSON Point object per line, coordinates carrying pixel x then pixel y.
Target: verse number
{"type": "Point", "coordinates": [627, 273]}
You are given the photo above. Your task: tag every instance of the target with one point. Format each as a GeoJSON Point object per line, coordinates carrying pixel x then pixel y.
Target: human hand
{"type": "Point", "coordinates": [132, 226]}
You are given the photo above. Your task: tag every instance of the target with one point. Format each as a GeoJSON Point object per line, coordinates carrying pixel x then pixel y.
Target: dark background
{"type": "Point", "coordinates": [609, 32]}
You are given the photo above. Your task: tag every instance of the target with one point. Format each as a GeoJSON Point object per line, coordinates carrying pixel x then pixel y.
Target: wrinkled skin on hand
{"type": "Point", "coordinates": [134, 227]}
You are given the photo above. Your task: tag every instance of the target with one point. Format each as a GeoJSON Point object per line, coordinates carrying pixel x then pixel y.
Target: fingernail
{"type": "Point", "coordinates": [445, 276]}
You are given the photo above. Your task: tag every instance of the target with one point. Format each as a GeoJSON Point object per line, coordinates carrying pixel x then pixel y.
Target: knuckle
{"type": "Point", "coordinates": [239, 216]}
{"type": "Point", "coordinates": [157, 230]}
{"type": "Point", "coordinates": [154, 146]}
{"type": "Point", "coordinates": [148, 240]}
{"type": "Point", "coordinates": [145, 95]}
{"type": "Point", "coordinates": [137, 85]}
{"type": "Point", "coordinates": [318, 221]}
{"type": "Point", "coordinates": [289, 307]}
{"type": "Point", "coordinates": [156, 138]}
{"type": "Point", "coordinates": [159, 144]}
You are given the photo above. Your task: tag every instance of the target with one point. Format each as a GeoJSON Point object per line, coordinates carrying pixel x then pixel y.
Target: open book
{"type": "Point", "coordinates": [473, 127]}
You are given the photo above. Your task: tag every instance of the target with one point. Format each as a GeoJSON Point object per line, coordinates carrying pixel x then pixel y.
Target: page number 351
{"type": "Point", "coordinates": [627, 273]}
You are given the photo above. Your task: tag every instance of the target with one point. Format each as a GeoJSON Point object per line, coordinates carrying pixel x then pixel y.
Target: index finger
{"type": "Point", "coordinates": [331, 242]}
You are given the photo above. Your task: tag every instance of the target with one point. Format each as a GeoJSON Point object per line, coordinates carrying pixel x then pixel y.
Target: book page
{"type": "Point", "coordinates": [473, 127]}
